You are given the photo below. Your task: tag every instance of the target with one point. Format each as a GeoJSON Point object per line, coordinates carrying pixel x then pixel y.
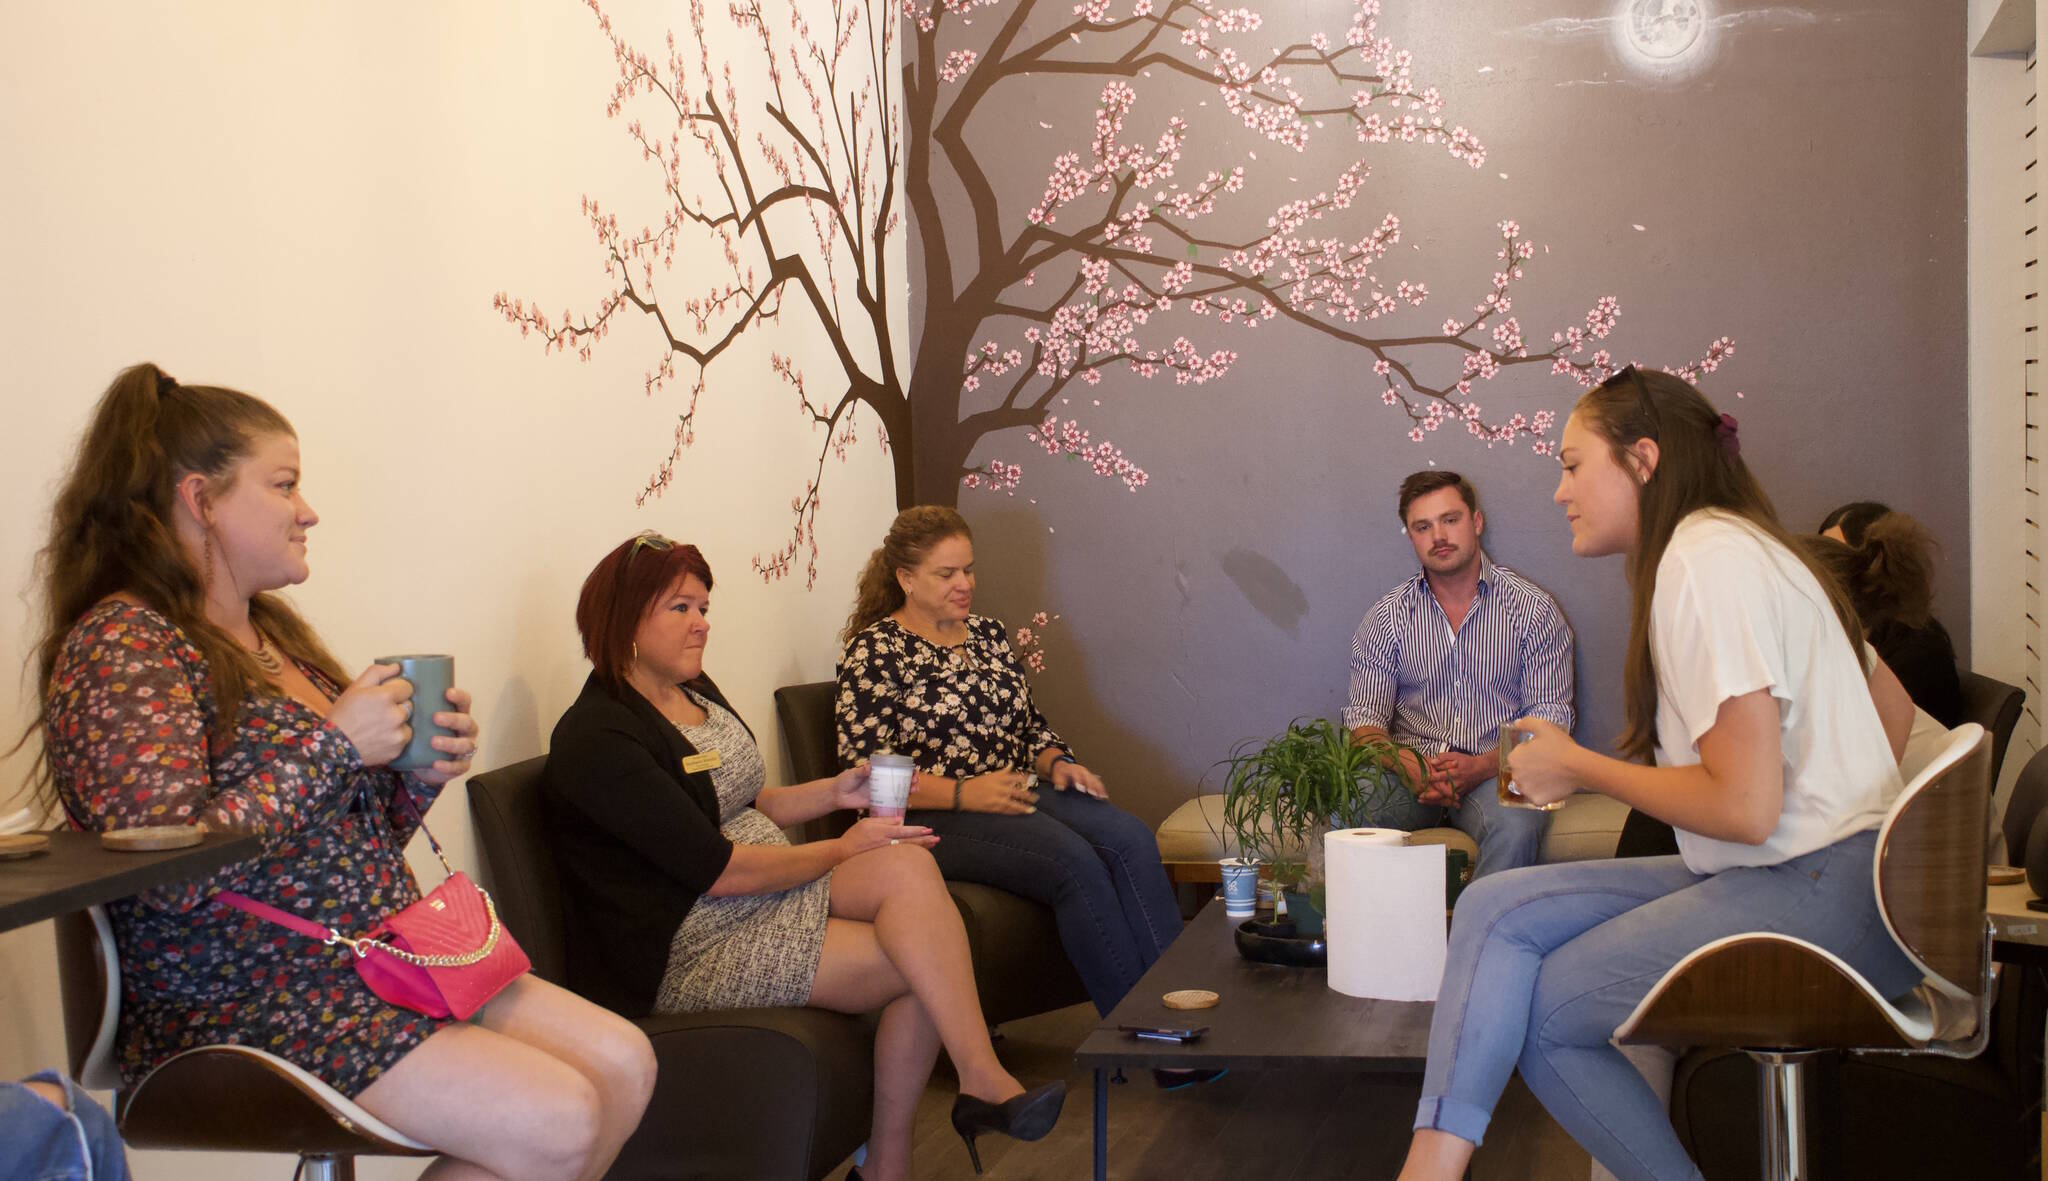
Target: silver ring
{"type": "Point", "coordinates": [408, 711]}
{"type": "Point", "coordinates": [892, 840]}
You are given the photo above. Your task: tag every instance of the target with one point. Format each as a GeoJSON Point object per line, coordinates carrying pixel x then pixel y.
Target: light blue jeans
{"type": "Point", "coordinates": [42, 1142]}
{"type": "Point", "coordinates": [1545, 962]}
{"type": "Point", "coordinates": [1508, 838]}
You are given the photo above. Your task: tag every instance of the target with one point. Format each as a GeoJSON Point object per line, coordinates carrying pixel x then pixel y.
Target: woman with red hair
{"type": "Point", "coordinates": [685, 895]}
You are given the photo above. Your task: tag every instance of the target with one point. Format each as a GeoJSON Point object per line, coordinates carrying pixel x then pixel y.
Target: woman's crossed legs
{"type": "Point", "coordinates": [895, 942]}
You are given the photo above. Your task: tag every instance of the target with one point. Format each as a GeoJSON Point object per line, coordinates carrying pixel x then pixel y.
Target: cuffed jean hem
{"type": "Point", "coordinates": [1443, 1114]}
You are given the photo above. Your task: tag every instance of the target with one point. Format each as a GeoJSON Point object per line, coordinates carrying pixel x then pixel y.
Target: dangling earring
{"type": "Point", "coordinates": [206, 579]}
{"type": "Point", "coordinates": [636, 650]}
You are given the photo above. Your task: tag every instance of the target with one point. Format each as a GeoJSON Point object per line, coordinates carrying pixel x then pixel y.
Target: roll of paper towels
{"type": "Point", "coordinates": [1384, 918]}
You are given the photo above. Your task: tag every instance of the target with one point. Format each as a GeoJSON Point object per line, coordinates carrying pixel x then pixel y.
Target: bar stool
{"type": "Point", "coordinates": [215, 1098]}
{"type": "Point", "coordinates": [1783, 1001]}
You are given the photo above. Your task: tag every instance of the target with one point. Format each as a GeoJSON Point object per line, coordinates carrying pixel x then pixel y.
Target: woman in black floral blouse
{"type": "Point", "coordinates": [923, 676]}
{"type": "Point", "coordinates": [178, 689]}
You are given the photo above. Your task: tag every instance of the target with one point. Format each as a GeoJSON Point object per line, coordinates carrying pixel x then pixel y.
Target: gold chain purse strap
{"type": "Point", "coordinates": [365, 945]}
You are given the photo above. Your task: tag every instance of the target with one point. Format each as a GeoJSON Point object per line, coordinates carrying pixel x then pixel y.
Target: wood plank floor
{"type": "Point", "coordinates": [1266, 1125]}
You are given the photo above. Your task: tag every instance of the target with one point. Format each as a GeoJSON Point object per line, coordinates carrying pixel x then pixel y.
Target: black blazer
{"type": "Point", "coordinates": [636, 837]}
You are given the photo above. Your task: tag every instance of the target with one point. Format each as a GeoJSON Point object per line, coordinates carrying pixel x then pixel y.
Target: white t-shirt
{"type": "Point", "coordinates": [1736, 612]}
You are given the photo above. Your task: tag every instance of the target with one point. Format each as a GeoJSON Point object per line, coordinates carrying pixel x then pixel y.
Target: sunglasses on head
{"type": "Point", "coordinates": [653, 541]}
{"type": "Point", "coordinates": [1627, 373]}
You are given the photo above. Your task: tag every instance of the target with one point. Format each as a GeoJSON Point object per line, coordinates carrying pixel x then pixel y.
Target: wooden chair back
{"type": "Point", "coordinates": [1930, 863]}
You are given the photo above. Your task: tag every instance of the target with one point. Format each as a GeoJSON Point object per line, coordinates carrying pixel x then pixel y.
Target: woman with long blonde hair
{"type": "Point", "coordinates": [1744, 677]}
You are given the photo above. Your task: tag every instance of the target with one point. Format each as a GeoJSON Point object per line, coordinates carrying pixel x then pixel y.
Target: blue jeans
{"type": "Point", "coordinates": [1545, 962]}
{"type": "Point", "coordinates": [42, 1142]}
{"type": "Point", "coordinates": [1508, 838]}
{"type": "Point", "coordinates": [1095, 864]}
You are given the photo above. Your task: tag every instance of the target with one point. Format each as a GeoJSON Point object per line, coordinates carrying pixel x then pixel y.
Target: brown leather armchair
{"type": "Point", "coordinates": [754, 1093]}
{"type": "Point", "coordinates": [1018, 968]}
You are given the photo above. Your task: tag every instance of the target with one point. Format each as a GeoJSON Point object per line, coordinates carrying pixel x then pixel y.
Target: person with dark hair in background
{"type": "Point", "coordinates": [1744, 680]}
{"type": "Point", "coordinates": [923, 676]}
{"type": "Point", "coordinates": [1446, 657]}
{"type": "Point", "coordinates": [687, 896]}
{"type": "Point", "coordinates": [179, 688]}
{"type": "Point", "coordinates": [1889, 574]}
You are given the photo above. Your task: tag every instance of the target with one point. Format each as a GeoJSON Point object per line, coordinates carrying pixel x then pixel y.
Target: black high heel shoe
{"type": "Point", "coordinates": [1028, 1116]}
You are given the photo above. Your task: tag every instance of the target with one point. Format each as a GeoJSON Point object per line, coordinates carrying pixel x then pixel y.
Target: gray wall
{"type": "Point", "coordinates": [1800, 189]}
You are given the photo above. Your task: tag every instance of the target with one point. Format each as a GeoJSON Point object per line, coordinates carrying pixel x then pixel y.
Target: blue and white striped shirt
{"type": "Point", "coordinates": [1510, 658]}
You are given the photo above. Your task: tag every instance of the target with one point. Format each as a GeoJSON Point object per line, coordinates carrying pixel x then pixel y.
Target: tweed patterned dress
{"type": "Point", "coordinates": [127, 726]}
{"type": "Point", "coordinates": [743, 951]}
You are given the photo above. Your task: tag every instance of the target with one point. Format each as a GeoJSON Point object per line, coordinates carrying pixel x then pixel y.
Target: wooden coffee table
{"type": "Point", "coordinates": [1269, 1017]}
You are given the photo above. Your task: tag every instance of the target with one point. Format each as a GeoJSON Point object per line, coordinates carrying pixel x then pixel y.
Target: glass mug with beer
{"type": "Point", "coordinates": [1509, 797]}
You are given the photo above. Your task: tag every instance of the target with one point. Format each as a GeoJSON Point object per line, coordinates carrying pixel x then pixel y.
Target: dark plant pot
{"type": "Point", "coordinates": [1308, 919]}
{"type": "Point", "coordinates": [1277, 943]}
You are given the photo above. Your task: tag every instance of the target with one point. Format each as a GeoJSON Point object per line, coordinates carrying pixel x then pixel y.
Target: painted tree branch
{"type": "Point", "coordinates": [1140, 266]}
{"type": "Point", "coordinates": [789, 189]}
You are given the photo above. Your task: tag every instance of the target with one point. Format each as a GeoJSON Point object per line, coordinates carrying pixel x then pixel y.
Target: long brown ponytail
{"type": "Point", "coordinates": [911, 536]}
{"type": "Point", "coordinates": [111, 531]}
{"type": "Point", "coordinates": [1699, 465]}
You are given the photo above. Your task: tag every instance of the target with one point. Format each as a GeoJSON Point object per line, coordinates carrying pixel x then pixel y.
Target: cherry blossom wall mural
{"type": "Point", "coordinates": [1167, 295]}
{"type": "Point", "coordinates": [1133, 261]}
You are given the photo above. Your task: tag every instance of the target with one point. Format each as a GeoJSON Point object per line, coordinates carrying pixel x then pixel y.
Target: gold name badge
{"type": "Point", "coordinates": [706, 761]}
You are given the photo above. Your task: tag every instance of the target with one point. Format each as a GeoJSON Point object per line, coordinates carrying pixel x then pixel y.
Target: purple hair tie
{"type": "Point", "coordinates": [1730, 442]}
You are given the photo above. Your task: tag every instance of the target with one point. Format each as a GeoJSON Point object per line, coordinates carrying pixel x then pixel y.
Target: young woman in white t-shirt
{"type": "Point", "coordinates": [1744, 679]}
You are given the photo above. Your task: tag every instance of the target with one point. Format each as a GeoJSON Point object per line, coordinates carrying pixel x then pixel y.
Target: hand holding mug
{"type": "Point", "coordinates": [874, 832]}
{"type": "Point", "coordinates": [460, 744]}
{"type": "Point", "coordinates": [373, 712]}
{"type": "Point", "coordinates": [1541, 762]}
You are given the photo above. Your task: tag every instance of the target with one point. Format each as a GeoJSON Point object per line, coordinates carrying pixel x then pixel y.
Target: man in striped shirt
{"type": "Point", "coordinates": [1448, 656]}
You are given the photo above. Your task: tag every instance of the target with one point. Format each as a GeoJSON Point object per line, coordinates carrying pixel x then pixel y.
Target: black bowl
{"type": "Point", "coordinates": [1276, 943]}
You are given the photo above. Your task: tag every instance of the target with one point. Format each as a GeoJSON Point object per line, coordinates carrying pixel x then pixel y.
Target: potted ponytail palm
{"type": "Point", "coordinates": [1282, 794]}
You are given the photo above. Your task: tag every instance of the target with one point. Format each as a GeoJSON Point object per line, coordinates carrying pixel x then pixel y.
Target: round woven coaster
{"type": "Point", "coordinates": [27, 844]}
{"type": "Point", "coordinates": [154, 837]}
{"type": "Point", "coordinates": [1190, 998]}
{"type": "Point", "coordinates": [2005, 875]}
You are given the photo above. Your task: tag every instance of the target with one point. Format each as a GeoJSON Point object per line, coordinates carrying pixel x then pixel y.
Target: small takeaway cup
{"type": "Point", "coordinates": [889, 785]}
{"type": "Point", "coordinates": [1240, 886]}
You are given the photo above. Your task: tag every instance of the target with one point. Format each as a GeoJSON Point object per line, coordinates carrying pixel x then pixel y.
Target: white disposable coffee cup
{"type": "Point", "coordinates": [889, 785]}
{"type": "Point", "coordinates": [1240, 886]}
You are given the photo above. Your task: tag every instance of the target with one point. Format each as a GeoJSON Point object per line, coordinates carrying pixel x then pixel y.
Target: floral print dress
{"type": "Point", "coordinates": [958, 712]}
{"type": "Point", "coordinates": [127, 724]}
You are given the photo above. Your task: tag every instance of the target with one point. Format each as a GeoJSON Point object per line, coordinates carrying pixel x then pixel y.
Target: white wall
{"type": "Point", "coordinates": [316, 203]}
{"type": "Point", "coordinates": [1997, 120]}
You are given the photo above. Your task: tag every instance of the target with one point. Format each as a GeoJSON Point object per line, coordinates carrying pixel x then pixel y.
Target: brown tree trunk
{"type": "Point", "coordinates": [935, 408]}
